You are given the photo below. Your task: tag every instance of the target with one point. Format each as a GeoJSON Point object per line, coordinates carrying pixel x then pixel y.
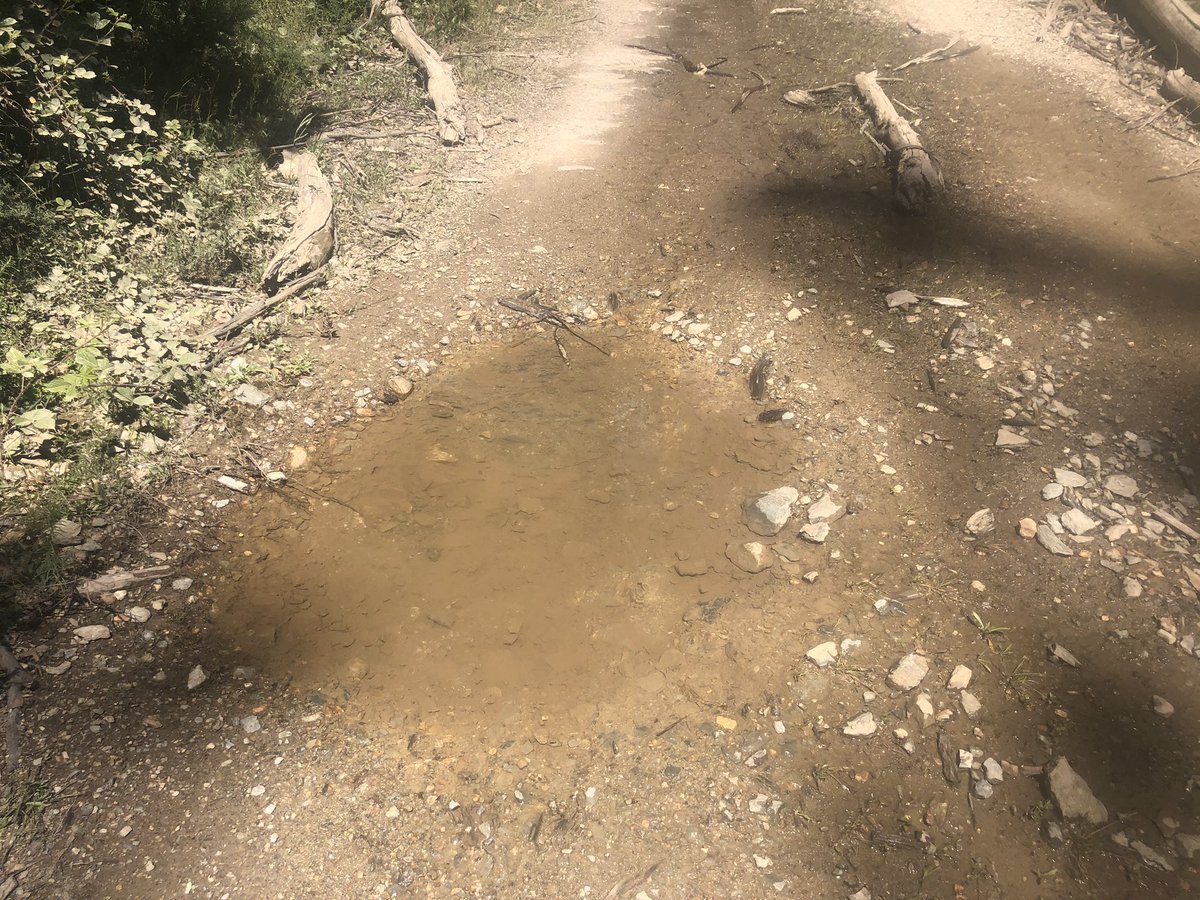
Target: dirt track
{"type": "Point", "coordinates": [479, 676]}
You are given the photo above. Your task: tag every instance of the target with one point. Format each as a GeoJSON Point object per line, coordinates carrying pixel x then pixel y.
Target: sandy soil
{"type": "Point", "coordinates": [503, 638]}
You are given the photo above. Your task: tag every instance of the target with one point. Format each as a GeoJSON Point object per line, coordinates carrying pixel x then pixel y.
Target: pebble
{"type": "Point", "coordinates": [257, 791]}
{"type": "Point", "coordinates": [725, 723]}
{"type": "Point", "coordinates": [993, 771]}
{"type": "Point", "coordinates": [960, 678]}
{"type": "Point", "coordinates": [400, 386]}
{"type": "Point", "coordinates": [1162, 706]}
{"type": "Point", "coordinates": [250, 724]}
{"type": "Point", "coordinates": [924, 706]}
{"type": "Point", "coordinates": [1151, 857]}
{"type": "Point", "coordinates": [1073, 796]}
{"type": "Point", "coordinates": [89, 633]}
{"type": "Point", "coordinates": [251, 396]}
{"type": "Point", "coordinates": [1131, 587]}
{"type": "Point", "coordinates": [138, 614]}
{"type": "Point", "coordinates": [1027, 528]}
{"type": "Point", "coordinates": [1063, 655]}
{"type": "Point", "coordinates": [1121, 485]}
{"type": "Point", "coordinates": [181, 584]}
{"type": "Point", "coordinates": [824, 654]}
{"type": "Point", "coordinates": [196, 677]}
{"type": "Point", "coordinates": [767, 513]}
{"type": "Point", "coordinates": [981, 522]}
{"type": "Point", "coordinates": [691, 568]}
{"type": "Point", "coordinates": [909, 672]}
{"type": "Point", "coordinates": [1051, 541]}
{"type": "Point", "coordinates": [860, 726]}
{"type": "Point", "coordinates": [1052, 491]}
{"type": "Point", "coordinates": [983, 788]}
{"type": "Point", "coordinates": [825, 510]}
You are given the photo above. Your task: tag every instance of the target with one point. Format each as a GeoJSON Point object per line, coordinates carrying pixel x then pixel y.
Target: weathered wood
{"type": "Point", "coordinates": [916, 176]}
{"type": "Point", "coordinates": [439, 77]}
{"type": "Point", "coordinates": [254, 310]}
{"type": "Point", "coordinates": [314, 237]}
{"type": "Point", "coordinates": [120, 579]}
{"type": "Point", "coordinates": [1172, 24]}
{"type": "Point", "coordinates": [18, 680]}
{"type": "Point", "coordinates": [1178, 86]}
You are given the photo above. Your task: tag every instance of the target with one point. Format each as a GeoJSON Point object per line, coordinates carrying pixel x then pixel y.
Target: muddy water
{"type": "Point", "coordinates": [504, 545]}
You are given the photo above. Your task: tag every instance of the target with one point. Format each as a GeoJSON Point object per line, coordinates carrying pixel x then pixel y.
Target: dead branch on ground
{"type": "Point", "coordinates": [439, 77]}
{"type": "Point", "coordinates": [689, 66]}
{"type": "Point", "coordinates": [807, 98]}
{"type": "Point", "coordinates": [938, 55]}
{"type": "Point", "coordinates": [1183, 90]}
{"type": "Point", "coordinates": [555, 318]}
{"type": "Point", "coordinates": [314, 236]}
{"type": "Point", "coordinates": [916, 175]}
{"type": "Point", "coordinates": [762, 85]}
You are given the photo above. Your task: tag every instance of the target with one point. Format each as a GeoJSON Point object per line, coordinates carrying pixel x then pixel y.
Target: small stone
{"type": "Point", "coordinates": [901, 299]}
{"type": "Point", "coordinates": [1162, 706]}
{"type": "Point", "coordinates": [1121, 485]}
{"type": "Point", "coordinates": [196, 677]}
{"type": "Point", "coordinates": [691, 568]}
{"type": "Point", "coordinates": [1189, 845]}
{"type": "Point", "coordinates": [297, 458]}
{"type": "Point", "coordinates": [860, 726]}
{"type": "Point", "coordinates": [1131, 587]}
{"type": "Point", "coordinates": [811, 577]}
{"type": "Point", "coordinates": [815, 533]}
{"type": "Point", "coordinates": [1073, 796]}
{"type": "Point", "coordinates": [251, 396]}
{"type": "Point", "coordinates": [909, 672]}
{"type": "Point", "coordinates": [750, 557]}
{"type": "Point", "coordinates": [67, 532]}
{"type": "Point", "coordinates": [824, 654]}
{"type": "Point", "coordinates": [257, 791]}
{"type": "Point", "coordinates": [1063, 655]}
{"type": "Point", "coordinates": [970, 704]}
{"type": "Point", "coordinates": [985, 362]}
{"type": "Point", "coordinates": [767, 513]}
{"type": "Point", "coordinates": [725, 723]}
{"type": "Point", "coordinates": [1052, 491]}
{"type": "Point", "coordinates": [400, 386]}
{"type": "Point", "coordinates": [234, 484]}
{"type": "Point", "coordinates": [981, 522]}
{"type": "Point", "coordinates": [763, 862]}
{"type": "Point", "coordinates": [1077, 522]}
{"type": "Point", "coordinates": [983, 789]}
{"type": "Point", "coordinates": [1151, 857]}
{"type": "Point", "coordinates": [966, 759]}
{"type": "Point", "coordinates": [1051, 541]}
{"type": "Point", "coordinates": [924, 706]}
{"type": "Point", "coordinates": [250, 724]}
{"type": "Point", "coordinates": [1054, 834]}
{"type": "Point", "coordinates": [993, 771]}
{"type": "Point", "coordinates": [1007, 438]}
{"type": "Point", "coordinates": [1069, 478]}
{"type": "Point", "coordinates": [89, 633]}
{"type": "Point", "coordinates": [825, 510]}
{"type": "Point", "coordinates": [1027, 528]}
{"type": "Point", "coordinates": [181, 584]}
{"type": "Point", "coordinates": [860, 894]}
{"type": "Point", "coordinates": [960, 678]}
{"type": "Point", "coordinates": [138, 614]}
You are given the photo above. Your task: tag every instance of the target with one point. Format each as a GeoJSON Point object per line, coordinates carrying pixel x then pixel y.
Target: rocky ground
{"type": "Point", "coordinates": [864, 566]}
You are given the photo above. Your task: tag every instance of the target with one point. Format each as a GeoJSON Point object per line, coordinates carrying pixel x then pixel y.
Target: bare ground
{"type": "Point", "coordinates": [493, 634]}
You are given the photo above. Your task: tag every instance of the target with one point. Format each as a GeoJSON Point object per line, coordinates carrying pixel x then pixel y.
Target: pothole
{"type": "Point", "coordinates": [504, 546]}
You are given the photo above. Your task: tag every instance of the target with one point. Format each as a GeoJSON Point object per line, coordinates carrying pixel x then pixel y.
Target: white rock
{"type": "Point", "coordinates": [860, 726]}
{"type": "Point", "coordinates": [1073, 796]}
{"type": "Point", "coordinates": [909, 672]}
{"type": "Point", "coordinates": [993, 771]}
{"type": "Point", "coordinates": [1063, 655]}
{"type": "Point", "coordinates": [985, 362]}
{"type": "Point", "coordinates": [1121, 485]}
{"type": "Point", "coordinates": [981, 522]}
{"type": "Point", "coordinates": [815, 532]}
{"type": "Point", "coordinates": [251, 396]}
{"type": "Point", "coordinates": [89, 633]}
{"type": "Point", "coordinates": [1151, 857]}
{"type": "Point", "coordinates": [1051, 541]}
{"type": "Point", "coordinates": [1006, 437]}
{"type": "Point", "coordinates": [138, 614]}
{"type": "Point", "coordinates": [824, 654]}
{"type": "Point", "coordinates": [1052, 491]}
{"type": "Point", "coordinates": [925, 709]}
{"type": "Point", "coordinates": [1069, 478]}
{"type": "Point", "coordinates": [1163, 707]}
{"type": "Point", "coordinates": [250, 724]}
{"type": "Point", "coordinates": [196, 677]}
{"type": "Point", "coordinates": [750, 557]}
{"type": "Point", "coordinates": [970, 704]}
{"type": "Point", "coordinates": [181, 584]}
{"type": "Point", "coordinates": [825, 510]}
{"type": "Point", "coordinates": [767, 513]}
{"type": "Point", "coordinates": [1077, 522]}
{"type": "Point", "coordinates": [960, 678]}
{"type": "Point", "coordinates": [1131, 587]}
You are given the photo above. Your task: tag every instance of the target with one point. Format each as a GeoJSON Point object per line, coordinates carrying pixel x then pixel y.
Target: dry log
{"type": "Point", "coordinates": [916, 175]}
{"type": "Point", "coordinates": [256, 309]}
{"type": "Point", "coordinates": [313, 237]}
{"type": "Point", "coordinates": [1172, 24]}
{"type": "Point", "coordinates": [1179, 86]}
{"type": "Point", "coordinates": [439, 77]}
{"type": "Point", "coordinates": [119, 579]}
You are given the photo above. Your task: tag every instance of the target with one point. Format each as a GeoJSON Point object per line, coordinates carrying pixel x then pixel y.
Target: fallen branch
{"type": "Point", "coordinates": [553, 317]}
{"type": "Point", "coordinates": [222, 331]}
{"type": "Point", "coordinates": [938, 55]}
{"type": "Point", "coordinates": [1193, 169]}
{"type": "Point", "coordinates": [806, 99]}
{"type": "Point", "coordinates": [18, 679]}
{"type": "Point", "coordinates": [439, 77]}
{"type": "Point", "coordinates": [691, 67]}
{"type": "Point", "coordinates": [788, 11]}
{"type": "Point", "coordinates": [761, 86]}
{"type": "Point", "coordinates": [1183, 91]}
{"type": "Point", "coordinates": [916, 175]}
{"type": "Point", "coordinates": [119, 580]}
{"type": "Point", "coordinates": [313, 238]}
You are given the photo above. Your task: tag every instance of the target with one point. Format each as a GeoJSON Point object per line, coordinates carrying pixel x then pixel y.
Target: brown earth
{"type": "Point", "coordinates": [494, 634]}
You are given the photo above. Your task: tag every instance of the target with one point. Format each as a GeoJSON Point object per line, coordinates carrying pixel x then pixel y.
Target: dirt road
{"type": "Point", "coordinates": [512, 636]}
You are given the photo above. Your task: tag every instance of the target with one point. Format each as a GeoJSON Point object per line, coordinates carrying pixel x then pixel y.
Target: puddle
{"type": "Point", "coordinates": [503, 546]}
